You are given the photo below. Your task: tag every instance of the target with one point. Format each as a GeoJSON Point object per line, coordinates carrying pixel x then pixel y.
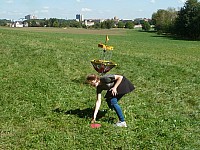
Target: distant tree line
{"type": "Point", "coordinates": [184, 23]}
{"type": "Point", "coordinates": [60, 23]}
{"type": "Point", "coordinates": [4, 22]}
{"type": "Point", "coordinates": [108, 24]}
{"type": "Point", "coordinates": [54, 22]}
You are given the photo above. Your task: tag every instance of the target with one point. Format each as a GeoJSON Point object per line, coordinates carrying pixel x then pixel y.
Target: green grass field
{"type": "Point", "coordinates": [45, 103]}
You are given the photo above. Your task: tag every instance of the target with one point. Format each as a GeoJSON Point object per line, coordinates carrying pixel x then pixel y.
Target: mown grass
{"type": "Point", "coordinates": [45, 103]}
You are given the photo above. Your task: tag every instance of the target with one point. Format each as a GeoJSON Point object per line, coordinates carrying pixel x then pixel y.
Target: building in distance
{"type": "Point", "coordinates": [29, 17]}
{"type": "Point", "coordinates": [79, 17]}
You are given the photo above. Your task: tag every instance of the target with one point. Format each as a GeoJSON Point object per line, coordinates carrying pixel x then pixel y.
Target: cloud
{"type": "Point", "coordinates": [2, 12]}
{"type": "Point", "coordinates": [152, 1]}
{"type": "Point", "coordinates": [9, 1]}
{"type": "Point", "coordinates": [45, 9]}
{"type": "Point", "coordinates": [86, 10]}
{"type": "Point", "coordinates": [140, 10]}
{"type": "Point", "coordinates": [78, 1]}
{"type": "Point", "coordinates": [181, 1]}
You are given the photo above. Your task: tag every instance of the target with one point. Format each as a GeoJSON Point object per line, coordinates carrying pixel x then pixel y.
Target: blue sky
{"type": "Point", "coordinates": [91, 9]}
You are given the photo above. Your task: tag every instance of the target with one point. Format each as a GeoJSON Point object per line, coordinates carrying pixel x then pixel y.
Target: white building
{"type": "Point", "coordinates": [29, 17]}
{"type": "Point", "coordinates": [79, 18]}
{"type": "Point", "coordinates": [89, 22]}
{"type": "Point", "coordinates": [17, 24]}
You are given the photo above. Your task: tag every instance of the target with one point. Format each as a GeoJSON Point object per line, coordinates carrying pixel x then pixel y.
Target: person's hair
{"type": "Point", "coordinates": [92, 77]}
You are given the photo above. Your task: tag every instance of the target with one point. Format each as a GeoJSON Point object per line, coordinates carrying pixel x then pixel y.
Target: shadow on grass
{"type": "Point", "coordinates": [169, 36]}
{"type": "Point", "coordinates": [150, 31]}
{"type": "Point", "coordinates": [84, 113]}
{"type": "Point", "coordinates": [172, 37]}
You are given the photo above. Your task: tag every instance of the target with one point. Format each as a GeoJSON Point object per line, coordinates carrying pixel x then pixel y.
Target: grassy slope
{"type": "Point", "coordinates": [46, 105]}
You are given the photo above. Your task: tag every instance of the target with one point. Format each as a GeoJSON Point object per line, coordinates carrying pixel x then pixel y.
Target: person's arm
{"type": "Point", "coordinates": [97, 106]}
{"type": "Point", "coordinates": [119, 80]}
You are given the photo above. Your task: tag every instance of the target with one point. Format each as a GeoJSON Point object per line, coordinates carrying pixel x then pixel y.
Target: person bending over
{"type": "Point", "coordinates": [117, 86]}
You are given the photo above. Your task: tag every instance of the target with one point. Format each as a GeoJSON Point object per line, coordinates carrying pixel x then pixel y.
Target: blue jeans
{"type": "Point", "coordinates": [113, 103]}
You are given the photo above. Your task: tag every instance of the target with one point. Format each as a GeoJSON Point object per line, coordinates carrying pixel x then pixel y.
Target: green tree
{"type": "Point", "coordinates": [46, 23]}
{"type": "Point", "coordinates": [42, 23]}
{"type": "Point", "coordinates": [129, 25]}
{"type": "Point", "coordinates": [4, 22]}
{"type": "Point", "coordinates": [108, 24]}
{"type": "Point", "coordinates": [75, 24]}
{"type": "Point", "coordinates": [97, 25]}
{"type": "Point", "coordinates": [103, 25]}
{"type": "Point", "coordinates": [164, 20]}
{"type": "Point", "coordinates": [146, 26]}
{"type": "Point", "coordinates": [33, 23]}
{"type": "Point", "coordinates": [188, 21]}
{"type": "Point", "coordinates": [64, 24]}
{"type": "Point", "coordinates": [51, 22]}
{"type": "Point", "coordinates": [120, 24]}
{"type": "Point", "coordinates": [56, 23]}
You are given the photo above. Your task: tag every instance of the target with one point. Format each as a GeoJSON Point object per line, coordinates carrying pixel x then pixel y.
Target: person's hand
{"type": "Point", "coordinates": [92, 121]}
{"type": "Point", "coordinates": [114, 91]}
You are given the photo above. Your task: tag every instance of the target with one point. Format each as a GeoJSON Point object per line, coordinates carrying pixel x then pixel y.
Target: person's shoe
{"type": "Point", "coordinates": [121, 124]}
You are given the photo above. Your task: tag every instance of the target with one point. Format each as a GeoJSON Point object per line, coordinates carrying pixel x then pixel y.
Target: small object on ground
{"type": "Point", "coordinates": [121, 124]}
{"type": "Point", "coordinates": [95, 125]}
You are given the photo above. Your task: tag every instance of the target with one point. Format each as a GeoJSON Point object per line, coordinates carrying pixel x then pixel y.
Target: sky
{"type": "Point", "coordinates": [90, 9]}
